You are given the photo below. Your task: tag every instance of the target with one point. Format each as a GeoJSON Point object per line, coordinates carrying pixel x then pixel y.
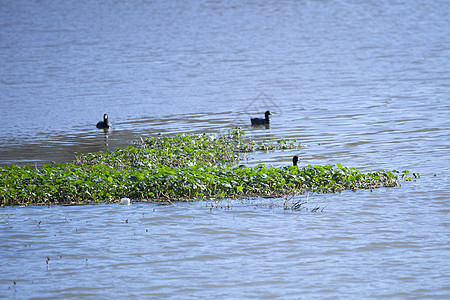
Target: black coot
{"type": "Point", "coordinates": [294, 163]}
{"type": "Point", "coordinates": [295, 160]}
{"type": "Point", "coordinates": [260, 121]}
{"type": "Point", "coordinates": [105, 123]}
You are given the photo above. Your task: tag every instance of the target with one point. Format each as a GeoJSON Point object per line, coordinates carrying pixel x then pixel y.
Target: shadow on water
{"type": "Point", "coordinates": [61, 147]}
{"type": "Point", "coordinates": [56, 148]}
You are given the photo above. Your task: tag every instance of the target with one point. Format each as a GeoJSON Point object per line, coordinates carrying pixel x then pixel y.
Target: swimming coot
{"type": "Point", "coordinates": [259, 121]}
{"type": "Point", "coordinates": [105, 123]}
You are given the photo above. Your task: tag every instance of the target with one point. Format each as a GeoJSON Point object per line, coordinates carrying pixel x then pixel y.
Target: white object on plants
{"type": "Point", "coordinates": [125, 201]}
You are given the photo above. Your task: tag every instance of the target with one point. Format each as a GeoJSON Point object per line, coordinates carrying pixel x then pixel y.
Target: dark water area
{"type": "Point", "coordinates": [361, 83]}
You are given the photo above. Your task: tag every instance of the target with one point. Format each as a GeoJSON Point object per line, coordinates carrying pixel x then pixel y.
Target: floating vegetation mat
{"type": "Point", "coordinates": [184, 167]}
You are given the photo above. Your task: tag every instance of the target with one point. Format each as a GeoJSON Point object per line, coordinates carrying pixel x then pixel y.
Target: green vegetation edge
{"type": "Point", "coordinates": [185, 167]}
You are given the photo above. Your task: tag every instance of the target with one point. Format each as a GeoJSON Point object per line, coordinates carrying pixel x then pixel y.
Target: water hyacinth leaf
{"type": "Point", "coordinates": [180, 168]}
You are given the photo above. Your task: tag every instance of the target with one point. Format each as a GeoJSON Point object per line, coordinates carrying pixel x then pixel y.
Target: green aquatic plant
{"type": "Point", "coordinates": [184, 167]}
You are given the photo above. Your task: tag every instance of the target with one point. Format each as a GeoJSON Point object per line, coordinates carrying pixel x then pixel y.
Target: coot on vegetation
{"type": "Point", "coordinates": [295, 160]}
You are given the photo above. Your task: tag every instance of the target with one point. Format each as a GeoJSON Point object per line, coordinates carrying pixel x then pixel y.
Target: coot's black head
{"type": "Point", "coordinates": [267, 114]}
{"type": "Point", "coordinates": [105, 118]}
{"type": "Point", "coordinates": [295, 160]}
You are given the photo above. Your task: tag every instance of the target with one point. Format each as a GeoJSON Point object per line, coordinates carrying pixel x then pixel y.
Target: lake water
{"type": "Point", "coordinates": [361, 83]}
